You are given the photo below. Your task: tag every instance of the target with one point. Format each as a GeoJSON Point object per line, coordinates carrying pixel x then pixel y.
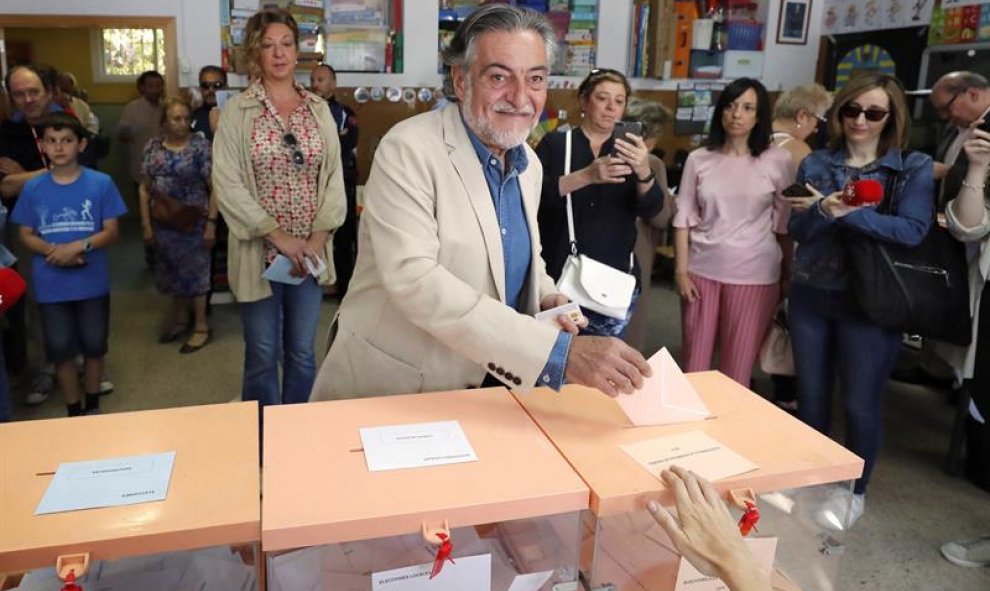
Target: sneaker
{"type": "Point", "coordinates": [41, 388]}
{"type": "Point", "coordinates": [106, 386]}
{"type": "Point", "coordinates": [832, 514]}
{"type": "Point", "coordinates": [972, 553]}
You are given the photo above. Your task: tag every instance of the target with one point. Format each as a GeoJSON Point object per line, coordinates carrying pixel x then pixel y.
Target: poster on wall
{"type": "Point", "coordinates": [855, 16]}
{"type": "Point", "coordinates": [959, 21]}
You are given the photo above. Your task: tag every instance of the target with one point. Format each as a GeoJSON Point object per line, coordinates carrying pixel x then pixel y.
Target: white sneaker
{"type": "Point", "coordinates": [106, 386]}
{"type": "Point", "coordinates": [833, 513]}
{"type": "Point", "coordinates": [41, 388]}
{"type": "Point", "coordinates": [972, 553]}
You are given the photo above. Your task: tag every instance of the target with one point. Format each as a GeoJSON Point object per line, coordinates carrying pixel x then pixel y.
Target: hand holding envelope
{"type": "Point", "coordinates": [666, 397]}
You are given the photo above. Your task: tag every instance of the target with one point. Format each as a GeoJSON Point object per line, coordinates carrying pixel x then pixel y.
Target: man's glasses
{"type": "Point", "coordinates": [944, 109]}
{"type": "Point", "coordinates": [854, 111]}
{"type": "Point", "coordinates": [216, 85]}
{"type": "Point", "coordinates": [292, 143]}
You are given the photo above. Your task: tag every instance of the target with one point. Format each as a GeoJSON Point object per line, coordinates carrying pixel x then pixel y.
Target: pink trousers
{"type": "Point", "coordinates": [737, 316]}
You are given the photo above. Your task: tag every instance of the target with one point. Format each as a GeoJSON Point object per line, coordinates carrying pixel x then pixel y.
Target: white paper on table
{"type": "Point", "coordinates": [416, 446]}
{"type": "Point", "coordinates": [689, 579]}
{"type": "Point", "coordinates": [695, 451]}
{"type": "Point", "coordinates": [472, 573]}
{"type": "Point", "coordinates": [108, 483]}
{"type": "Point", "coordinates": [666, 397]}
{"type": "Point", "coordinates": [281, 271]}
{"type": "Point", "coordinates": [530, 581]}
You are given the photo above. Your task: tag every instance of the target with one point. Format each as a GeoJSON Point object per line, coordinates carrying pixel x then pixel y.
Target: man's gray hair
{"type": "Point", "coordinates": [489, 18]}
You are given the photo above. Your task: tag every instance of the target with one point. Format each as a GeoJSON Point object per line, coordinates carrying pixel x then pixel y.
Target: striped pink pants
{"type": "Point", "coordinates": [738, 316]}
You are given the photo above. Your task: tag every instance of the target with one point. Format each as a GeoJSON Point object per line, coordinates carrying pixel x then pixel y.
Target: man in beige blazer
{"type": "Point", "coordinates": [449, 272]}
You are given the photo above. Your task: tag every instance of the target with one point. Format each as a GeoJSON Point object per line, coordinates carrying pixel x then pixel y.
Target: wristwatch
{"type": "Point", "coordinates": [648, 178]}
{"type": "Point", "coordinates": [87, 245]}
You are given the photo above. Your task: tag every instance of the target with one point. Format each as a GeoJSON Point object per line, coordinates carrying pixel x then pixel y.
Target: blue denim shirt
{"type": "Point", "coordinates": [516, 240]}
{"type": "Point", "coordinates": [819, 260]}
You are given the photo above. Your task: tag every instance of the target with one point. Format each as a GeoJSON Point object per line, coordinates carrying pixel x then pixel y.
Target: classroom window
{"type": "Point", "coordinates": [123, 54]}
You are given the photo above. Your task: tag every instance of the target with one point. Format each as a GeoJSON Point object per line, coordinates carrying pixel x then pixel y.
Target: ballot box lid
{"type": "Point", "coordinates": [318, 488]}
{"type": "Point", "coordinates": [213, 493]}
{"type": "Point", "coordinates": [588, 428]}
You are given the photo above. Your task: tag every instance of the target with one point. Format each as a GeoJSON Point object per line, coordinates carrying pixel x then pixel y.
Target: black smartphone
{"type": "Point", "coordinates": [796, 190]}
{"type": "Point", "coordinates": [985, 126]}
{"type": "Point", "coordinates": [622, 128]}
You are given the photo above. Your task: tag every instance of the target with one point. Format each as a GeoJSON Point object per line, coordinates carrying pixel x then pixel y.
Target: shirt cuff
{"type": "Point", "coordinates": [552, 375]}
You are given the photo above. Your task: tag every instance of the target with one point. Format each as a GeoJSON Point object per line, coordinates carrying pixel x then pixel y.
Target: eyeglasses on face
{"type": "Point", "coordinates": [215, 85]}
{"type": "Point", "coordinates": [944, 109]}
{"type": "Point", "coordinates": [854, 111]}
{"type": "Point", "coordinates": [292, 143]}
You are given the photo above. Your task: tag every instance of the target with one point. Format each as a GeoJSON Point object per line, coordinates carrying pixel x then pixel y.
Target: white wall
{"type": "Point", "coordinates": [786, 66]}
{"type": "Point", "coordinates": [197, 23]}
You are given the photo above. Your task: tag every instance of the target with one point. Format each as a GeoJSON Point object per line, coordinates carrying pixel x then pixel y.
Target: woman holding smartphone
{"type": "Point", "coordinates": [830, 336]}
{"type": "Point", "coordinates": [730, 217]}
{"type": "Point", "coordinates": [610, 183]}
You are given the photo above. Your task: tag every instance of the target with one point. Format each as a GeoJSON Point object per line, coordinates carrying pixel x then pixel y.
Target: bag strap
{"type": "Point", "coordinates": [572, 239]}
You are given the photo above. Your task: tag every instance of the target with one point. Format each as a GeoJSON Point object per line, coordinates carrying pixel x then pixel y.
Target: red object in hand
{"type": "Point", "coordinates": [70, 582]}
{"type": "Point", "coordinates": [12, 287]}
{"type": "Point", "coordinates": [866, 192]}
{"type": "Point", "coordinates": [443, 554]}
{"type": "Point", "coordinates": [747, 523]}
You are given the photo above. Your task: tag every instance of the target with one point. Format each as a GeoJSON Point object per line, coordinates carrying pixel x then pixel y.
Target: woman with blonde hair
{"type": "Point", "coordinates": [279, 183]}
{"type": "Point", "coordinates": [830, 336]}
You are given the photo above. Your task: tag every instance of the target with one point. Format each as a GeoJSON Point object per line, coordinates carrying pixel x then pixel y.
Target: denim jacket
{"type": "Point", "coordinates": [820, 257]}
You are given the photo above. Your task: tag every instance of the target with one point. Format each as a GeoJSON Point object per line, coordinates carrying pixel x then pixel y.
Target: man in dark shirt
{"type": "Point", "coordinates": [323, 80]}
{"type": "Point", "coordinates": [211, 79]}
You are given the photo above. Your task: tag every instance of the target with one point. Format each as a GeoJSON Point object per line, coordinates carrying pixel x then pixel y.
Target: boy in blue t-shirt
{"type": "Point", "coordinates": [67, 216]}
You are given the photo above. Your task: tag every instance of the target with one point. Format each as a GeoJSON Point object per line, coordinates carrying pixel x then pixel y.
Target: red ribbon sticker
{"type": "Point", "coordinates": [443, 554]}
{"type": "Point", "coordinates": [70, 582]}
{"type": "Point", "coordinates": [750, 518]}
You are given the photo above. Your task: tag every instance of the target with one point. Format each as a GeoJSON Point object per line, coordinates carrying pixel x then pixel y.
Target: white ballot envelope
{"type": "Point", "coordinates": [665, 398]}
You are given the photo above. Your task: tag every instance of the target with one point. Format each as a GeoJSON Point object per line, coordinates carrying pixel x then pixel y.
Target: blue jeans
{"type": "Point", "coordinates": [831, 337]}
{"type": "Point", "coordinates": [606, 326]}
{"type": "Point", "coordinates": [281, 329]}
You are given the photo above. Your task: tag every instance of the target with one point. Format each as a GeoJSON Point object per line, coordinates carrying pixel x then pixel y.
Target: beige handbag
{"type": "Point", "coordinates": [776, 356]}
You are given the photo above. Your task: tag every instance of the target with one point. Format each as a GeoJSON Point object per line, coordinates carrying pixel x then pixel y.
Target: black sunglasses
{"type": "Point", "coordinates": [292, 143]}
{"type": "Point", "coordinates": [217, 85]}
{"type": "Point", "coordinates": [854, 111]}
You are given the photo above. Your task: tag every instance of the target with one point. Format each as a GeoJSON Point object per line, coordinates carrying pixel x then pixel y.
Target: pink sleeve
{"type": "Point", "coordinates": [687, 214]}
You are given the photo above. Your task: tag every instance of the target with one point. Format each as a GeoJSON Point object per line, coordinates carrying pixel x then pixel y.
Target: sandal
{"type": "Point", "coordinates": [174, 333]}
{"type": "Point", "coordinates": [190, 348]}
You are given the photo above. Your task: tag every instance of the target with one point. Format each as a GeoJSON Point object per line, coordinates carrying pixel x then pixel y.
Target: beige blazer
{"type": "Point", "coordinates": [425, 309]}
{"type": "Point", "coordinates": [237, 194]}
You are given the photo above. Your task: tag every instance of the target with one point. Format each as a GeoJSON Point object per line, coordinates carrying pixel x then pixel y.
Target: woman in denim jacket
{"type": "Point", "coordinates": [829, 334]}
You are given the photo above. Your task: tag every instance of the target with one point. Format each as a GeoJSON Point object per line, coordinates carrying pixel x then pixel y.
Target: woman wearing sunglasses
{"type": "Point", "coordinates": [278, 180]}
{"type": "Point", "coordinates": [830, 336]}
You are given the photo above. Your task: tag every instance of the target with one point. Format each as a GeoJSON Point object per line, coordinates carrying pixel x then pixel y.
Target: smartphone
{"type": "Point", "coordinates": [796, 190]}
{"type": "Point", "coordinates": [985, 126]}
{"type": "Point", "coordinates": [622, 128]}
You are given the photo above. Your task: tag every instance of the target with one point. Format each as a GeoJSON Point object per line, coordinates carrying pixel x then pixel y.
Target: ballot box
{"type": "Point", "coordinates": [204, 534]}
{"type": "Point", "coordinates": [796, 471]}
{"type": "Point", "coordinates": [331, 522]}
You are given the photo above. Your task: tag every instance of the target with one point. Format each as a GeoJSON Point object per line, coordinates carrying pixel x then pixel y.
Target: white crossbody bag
{"type": "Point", "coordinates": [587, 282]}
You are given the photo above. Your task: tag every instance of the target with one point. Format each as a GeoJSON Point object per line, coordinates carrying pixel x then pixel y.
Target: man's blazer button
{"type": "Point", "coordinates": [491, 366]}
{"type": "Point", "coordinates": [509, 376]}
{"type": "Point", "coordinates": [517, 381]}
{"type": "Point", "coordinates": [500, 371]}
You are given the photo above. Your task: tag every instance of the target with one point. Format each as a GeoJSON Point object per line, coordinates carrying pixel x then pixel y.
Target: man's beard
{"type": "Point", "coordinates": [483, 127]}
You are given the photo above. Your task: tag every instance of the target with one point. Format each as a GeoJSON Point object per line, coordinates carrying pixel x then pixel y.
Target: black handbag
{"type": "Point", "coordinates": [920, 290]}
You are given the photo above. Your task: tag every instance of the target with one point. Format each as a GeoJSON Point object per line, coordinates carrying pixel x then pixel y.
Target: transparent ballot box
{"type": "Point", "coordinates": [203, 535]}
{"type": "Point", "coordinates": [798, 475]}
{"type": "Point", "coordinates": [331, 523]}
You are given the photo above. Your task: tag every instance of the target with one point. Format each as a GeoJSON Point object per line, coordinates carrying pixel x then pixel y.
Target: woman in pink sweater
{"type": "Point", "coordinates": [730, 214]}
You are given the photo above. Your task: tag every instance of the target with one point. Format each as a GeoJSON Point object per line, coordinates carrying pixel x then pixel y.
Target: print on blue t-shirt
{"type": "Point", "coordinates": [60, 214]}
